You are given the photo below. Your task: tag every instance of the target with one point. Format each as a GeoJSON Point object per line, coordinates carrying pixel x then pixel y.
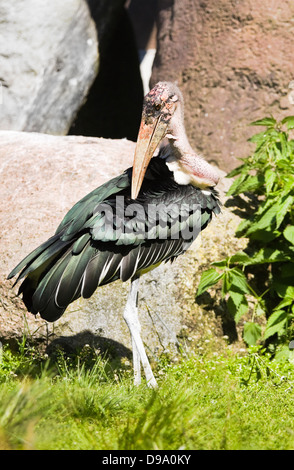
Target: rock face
{"type": "Point", "coordinates": [55, 172]}
{"type": "Point", "coordinates": [234, 62]}
{"type": "Point", "coordinates": [48, 61]}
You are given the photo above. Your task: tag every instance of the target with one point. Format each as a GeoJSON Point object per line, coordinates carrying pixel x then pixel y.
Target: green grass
{"type": "Point", "coordinates": [203, 402]}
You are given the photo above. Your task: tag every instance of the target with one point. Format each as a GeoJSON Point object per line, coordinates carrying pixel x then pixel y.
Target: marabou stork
{"type": "Point", "coordinates": [129, 225]}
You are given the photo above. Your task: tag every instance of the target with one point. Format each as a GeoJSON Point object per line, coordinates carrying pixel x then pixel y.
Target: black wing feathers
{"type": "Point", "coordinates": [84, 254]}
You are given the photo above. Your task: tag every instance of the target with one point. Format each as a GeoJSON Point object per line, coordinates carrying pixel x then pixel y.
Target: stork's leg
{"type": "Point", "coordinates": [132, 320]}
{"type": "Point", "coordinates": [136, 363]}
{"type": "Point", "coordinates": [139, 354]}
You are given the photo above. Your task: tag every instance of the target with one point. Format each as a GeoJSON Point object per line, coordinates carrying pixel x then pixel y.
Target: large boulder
{"type": "Point", "coordinates": [41, 177]}
{"type": "Point", "coordinates": [234, 64]}
{"type": "Point", "coordinates": [48, 61]}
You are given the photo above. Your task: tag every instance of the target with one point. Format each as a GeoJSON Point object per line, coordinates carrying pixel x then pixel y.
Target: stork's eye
{"type": "Point", "coordinates": [174, 98]}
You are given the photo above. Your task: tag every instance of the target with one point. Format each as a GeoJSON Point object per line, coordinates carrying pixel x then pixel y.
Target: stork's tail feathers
{"type": "Point", "coordinates": [58, 272]}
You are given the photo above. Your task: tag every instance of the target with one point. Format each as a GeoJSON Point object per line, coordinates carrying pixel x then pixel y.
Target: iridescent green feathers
{"type": "Point", "coordinates": [107, 236]}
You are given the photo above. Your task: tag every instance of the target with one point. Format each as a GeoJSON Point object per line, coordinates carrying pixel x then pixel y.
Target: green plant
{"type": "Point", "coordinates": [258, 283]}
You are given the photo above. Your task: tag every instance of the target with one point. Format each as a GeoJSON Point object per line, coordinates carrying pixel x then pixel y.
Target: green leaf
{"type": "Point", "coordinates": [242, 227]}
{"type": "Point", "coordinates": [252, 333]}
{"type": "Point", "coordinates": [286, 202]}
{"type": "Point", "coordinates": [246, 183]}
{"type": "Point", "coordinates": [237, 171]}
{"type": "Point", "coordinates": [289, 120]}
{"type": "Point", "coordinates": [265, 235]}
{"type": "Point", "coordinates": [226, 283]}
{"type": "Point", "coordinates": [270, 255]}
{"type": "Point", "coordinates": [221, 264]}
{"type": "Point", "coordinates": [273, 216]}
{"type": "Point", "coordinates": [288, 178]}
{"type": "Point", "coordinates": [240, 258]}
{"type": "Point", "coordinates": [283, 290]}
{"type": "Point", "coordinates": [237, 305]}
{"type": "Point", "coordinates": [258, 139]}
{"type": "Point", "coordinates": [233, 188]}
{"type": "Point", "coordinates": [259, 310]}
{"type": "Point", "coordinates": [285, 303]}
{"type": "Point", "coordinates": [267, 121]}
{"type": "Point", "coordinates": [265, 220]}
{"type": "Point", "coordinates": [236, 297]}
{"type": "Point", "coordinates": [289, 234]}
{"type": "Point", "coordinates": [276, 323]}
{"type": "Point", "coordinates": [238, 281]}
{"type": "Point", "coordinates": [208, 279]}
{"type": "Point", "coordinates": [270, 177]}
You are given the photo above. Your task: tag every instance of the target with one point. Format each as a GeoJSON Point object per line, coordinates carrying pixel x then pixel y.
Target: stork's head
{"type": "Point", "coordinates": [158, 109]}
{"type": "Point", "coordinates": [162, 116]}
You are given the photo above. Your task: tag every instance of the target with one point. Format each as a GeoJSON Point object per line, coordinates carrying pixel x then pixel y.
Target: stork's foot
{"type": "Point", "coordinates": [137, 361]}
{"type": "Point", "coordinates": [152, 382]}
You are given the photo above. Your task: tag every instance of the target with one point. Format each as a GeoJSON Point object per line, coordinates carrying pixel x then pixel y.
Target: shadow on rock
{"type": "Point", "coordinates": [75, 343]}
{"type": "Point", "coordinates": [218, 306]}
{"type": "Point", "coordinates": [244, 205]}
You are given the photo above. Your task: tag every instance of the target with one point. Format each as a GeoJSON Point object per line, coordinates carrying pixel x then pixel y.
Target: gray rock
{"type": "Point", "coordinates": [48, 61]}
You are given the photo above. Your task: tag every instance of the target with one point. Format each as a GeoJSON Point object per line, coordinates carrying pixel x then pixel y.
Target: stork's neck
{"type": "Point", "coordinates": [178, 140]}
{"type": "Point", "coordinates": [188, 166]}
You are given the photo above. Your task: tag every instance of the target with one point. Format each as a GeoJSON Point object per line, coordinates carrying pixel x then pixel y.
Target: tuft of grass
{"type": "Point", "coordinates": [207, 401]}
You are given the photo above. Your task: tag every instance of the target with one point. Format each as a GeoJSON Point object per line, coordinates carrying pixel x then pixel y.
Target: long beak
{"type": "Point", "coordinates": [149, 137]}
